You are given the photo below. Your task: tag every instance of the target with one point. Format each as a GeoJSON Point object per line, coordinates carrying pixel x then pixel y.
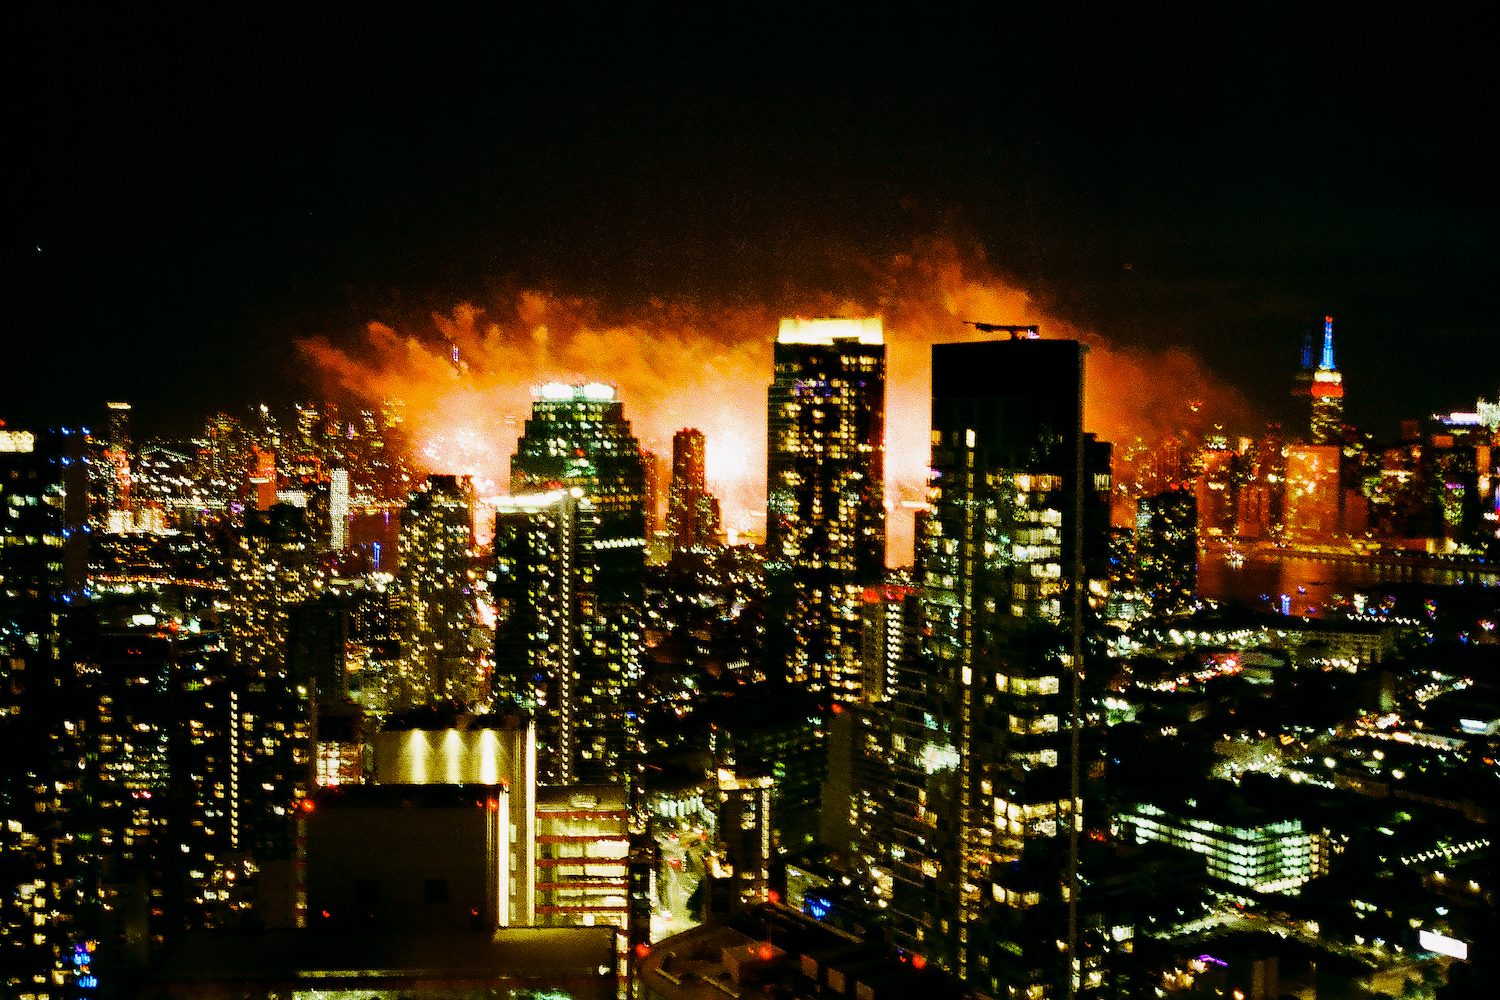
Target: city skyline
{"type": "Point", "coordinates": [995, 505]}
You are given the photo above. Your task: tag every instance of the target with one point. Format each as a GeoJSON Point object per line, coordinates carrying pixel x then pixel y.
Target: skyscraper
{"type": "Point", "coordinates": [338, 510]}
{"type": "Point", "coordinates": [579, 446]}
{"type": "Point", "coordinates": [42, 567]}
{"type": "Point", "coordinates": [825, 502]}
{"type": "Point", "coordinates": [983, 746]}
{"type": "Point", "coordinates": [1327, 394]}
{"type": "Point", "coordinates": [692, 512]}
{"type": "Point", "coordinates": [553, 643]}
{"type": "Point", "coordinates": [1167, 550]}
{"type": "Point", "coordinates": [436, 538]}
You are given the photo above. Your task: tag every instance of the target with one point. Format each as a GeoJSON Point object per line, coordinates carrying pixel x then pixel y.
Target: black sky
{"type": "Point", "coordinates": [197, 188]}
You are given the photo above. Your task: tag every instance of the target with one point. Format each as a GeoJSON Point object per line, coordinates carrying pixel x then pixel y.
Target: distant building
{"type": "Point", "coordinates": [1218, 493]}
{"type": "Point", "coordinates": [273, 569]}
{"type": "Point", "coordinates": [1327, 394]}
{"type": "Point", "coordinates": [740, 867]}
{"type": "Point", "coordinates": [338, 510]}
{"type": "Point", "coordinates": [825, 504]}
{"type": "Point", "coordinates": [439, 662]}
{"type": "Point", "coordinates": [890, 625]}
{"type": "Point", "coordinates": [1313, 492]}
{"type": "Point", "coordinates": [692, 512]}
{"type": "Point", "coordinates": [1166, 541]}
{"type": "Point", "coordinates": [1258, 854]}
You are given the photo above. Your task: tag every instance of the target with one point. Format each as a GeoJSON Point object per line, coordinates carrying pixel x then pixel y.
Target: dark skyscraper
{"type": "Point", "coordinates": [692, 512]}
{"type": "Point", "coordinates": [570, 584]}
{"type": "Point", "coordinates": [825, 502]}
{"type": "Point", "coordinates": [980, 744]}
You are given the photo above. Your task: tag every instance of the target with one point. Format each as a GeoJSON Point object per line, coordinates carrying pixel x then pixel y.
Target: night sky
{"type": "Point", "coordinates": [193, 191]}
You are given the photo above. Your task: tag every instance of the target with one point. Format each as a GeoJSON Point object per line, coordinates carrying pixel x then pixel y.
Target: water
{"type": "Point", "coordinates": [1313, 583]}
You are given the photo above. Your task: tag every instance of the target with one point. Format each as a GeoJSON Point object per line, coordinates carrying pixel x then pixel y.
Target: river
{"type": "Point", "coordinates": [1312, 584]}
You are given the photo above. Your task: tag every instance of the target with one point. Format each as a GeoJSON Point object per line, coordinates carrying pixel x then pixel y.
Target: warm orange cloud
{"type": "Point", "coordinates": [467, 380]}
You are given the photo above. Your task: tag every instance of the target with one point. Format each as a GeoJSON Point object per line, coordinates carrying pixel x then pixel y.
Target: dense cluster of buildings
{"type": "Point", "coordinates": [265, 687]}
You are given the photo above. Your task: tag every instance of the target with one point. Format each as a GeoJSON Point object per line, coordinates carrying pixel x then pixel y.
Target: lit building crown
{"type": "Point", "coordinates": [798, 330]}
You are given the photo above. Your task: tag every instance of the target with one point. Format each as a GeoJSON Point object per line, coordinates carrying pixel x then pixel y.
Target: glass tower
{"type": "Point", "coordinates": [1018, 522]}
{"type": "Point", "coordinates": [570, 584]}
{"type": "Point", "coordinates": [825, 502]}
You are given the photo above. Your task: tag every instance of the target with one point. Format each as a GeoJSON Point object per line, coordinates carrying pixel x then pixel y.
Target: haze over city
{"type": "Point", "coordinates": [676, 503]}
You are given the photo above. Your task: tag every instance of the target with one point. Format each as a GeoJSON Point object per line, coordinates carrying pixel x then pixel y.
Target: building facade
{"type": "Point", "coordinates": [692, 512]}
{"type": "Point", "coordinates": [825, 501]}
{"type": "Point", "coordinates": [439, 660]}
{"type": "Point", "coordinates": [977, 744]}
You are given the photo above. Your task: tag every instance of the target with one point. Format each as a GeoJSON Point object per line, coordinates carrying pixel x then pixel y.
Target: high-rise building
{"type": "Point", "coordinates": [892, 616]}
{"type": "Point", "coordinates": [984, 744]}
{"type": "Point", "coordinates": [338, 510]}
{"type": "Point", "coordinates": [1166, 547]}
{"type": "Point", "coordinates": [577, 447]}
{"type": "Point", "coordinates": [1218, 490]}
{"type": "Point", "coordinates": [1312, 492]}
{"type": "Point", "coordinates": [274, 568]}
{"type": "Point", "coordinates": [1327, 394]}
{"type": "Point", "coordinates": [692, 512]}
{"type": "Point", "coordinates": [44, 498]}
{"type": "Point", "coordinates": [440, 663]}
{"type": "Point", "coordinates": [825, 502]}
{"type": "Point", "coordinates": [552, 651]}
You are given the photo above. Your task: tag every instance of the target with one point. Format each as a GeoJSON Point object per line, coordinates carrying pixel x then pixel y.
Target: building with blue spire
{"type": "Point", "coordinates": [1327, 394]}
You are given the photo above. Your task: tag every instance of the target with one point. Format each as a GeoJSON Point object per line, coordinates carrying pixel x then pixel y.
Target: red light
{"type": "Point", "coordinates": [773, 896]}
{"type": "Point", "coordinates": [765, 953]}
{"type": "Point", "coordinates": [837, 708]}
{"type": "Point", "coordinates": [918, 962]}
{"type": "Point", "coordinates": [494, 805]}
{"type": "Point", "coordinates": [325, 914]}
{"type": "Point", "coordinates": [307, 805]}
{"type": "Point", "coordinates": [642, 950]}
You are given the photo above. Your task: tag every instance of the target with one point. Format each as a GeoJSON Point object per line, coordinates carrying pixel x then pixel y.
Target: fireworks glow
{"type": "Point", "coordinates": [466, 383]}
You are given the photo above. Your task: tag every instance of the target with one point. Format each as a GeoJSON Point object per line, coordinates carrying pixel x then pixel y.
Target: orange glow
{"type": "Point", "coordinates": [681, 365]}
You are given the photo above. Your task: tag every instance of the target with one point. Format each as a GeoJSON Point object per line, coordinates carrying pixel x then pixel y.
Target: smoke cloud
{"type": "Point", "coordinates": [466, 379]}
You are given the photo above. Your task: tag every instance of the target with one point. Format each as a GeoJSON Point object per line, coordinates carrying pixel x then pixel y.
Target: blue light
{"type": "Point", "coordinates": [1286, 604]}
{"type": "Point", "coordinates": [88, 982]}
{"type": "Point", "coordinates": [815, 907]}
{"type": "Point", "coordinates": [1328, 344]}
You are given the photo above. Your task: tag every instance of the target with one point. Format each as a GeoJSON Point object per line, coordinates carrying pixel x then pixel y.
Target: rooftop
{"type": "Point", "coordinates": [823, 332]}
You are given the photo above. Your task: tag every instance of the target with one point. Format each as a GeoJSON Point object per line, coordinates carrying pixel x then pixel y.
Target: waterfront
{"type": "Point", "coordinates": [1316, 583]}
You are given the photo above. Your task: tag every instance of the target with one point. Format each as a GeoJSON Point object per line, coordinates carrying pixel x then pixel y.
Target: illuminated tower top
{"type": "Point", "coordinates": [825, 495]}
{"type": "Point", "coordinates": [578, 436]}
{"type": "Point", "coordinates": [1327, 394]}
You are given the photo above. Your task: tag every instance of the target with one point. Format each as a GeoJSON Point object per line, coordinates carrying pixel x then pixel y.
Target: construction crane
{"type": "Point", "coordinates": [1016, 332]}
